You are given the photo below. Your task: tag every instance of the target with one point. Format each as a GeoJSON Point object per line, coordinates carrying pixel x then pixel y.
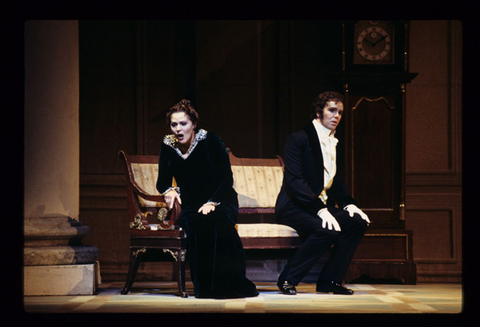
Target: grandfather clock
{"type": "Point", "coordinates": [374, 77]}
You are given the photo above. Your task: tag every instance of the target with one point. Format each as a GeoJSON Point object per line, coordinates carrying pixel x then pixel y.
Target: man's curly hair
{"type": "Point", "coordinates": [321, 101]}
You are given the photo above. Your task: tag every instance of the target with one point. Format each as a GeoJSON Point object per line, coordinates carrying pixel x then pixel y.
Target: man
{"type": "Point", "coordinates": [315, 202]}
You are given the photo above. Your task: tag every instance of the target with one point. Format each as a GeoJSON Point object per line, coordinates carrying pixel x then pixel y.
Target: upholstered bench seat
{"type": "Point", "coordinates": [258, 230]}
{"type": "Point", "coordinates": [268, 236]}
{"type": "Point", "coordinates": [265, 230]}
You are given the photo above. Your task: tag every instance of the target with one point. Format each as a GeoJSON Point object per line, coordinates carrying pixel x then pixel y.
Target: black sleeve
{"type": "Point", "coordinates": [219, 153]}
{"type": "Point", "coordinates": [339, 191]}
{"type": "Point", "coordinates": [296, 184]}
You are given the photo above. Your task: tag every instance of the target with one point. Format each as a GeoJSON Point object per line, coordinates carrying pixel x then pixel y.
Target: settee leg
{"type": "Point", "coordinates": [181, 274]}
{"type": "Point", "coordinates": [132, 269]}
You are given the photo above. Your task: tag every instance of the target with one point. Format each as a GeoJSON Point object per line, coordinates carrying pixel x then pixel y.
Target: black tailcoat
{"type": "Point", "coordinates": [304, 176]}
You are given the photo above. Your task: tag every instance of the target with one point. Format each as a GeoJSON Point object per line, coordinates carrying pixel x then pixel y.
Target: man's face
{"type": "Point", "coordinates": [332, 114]}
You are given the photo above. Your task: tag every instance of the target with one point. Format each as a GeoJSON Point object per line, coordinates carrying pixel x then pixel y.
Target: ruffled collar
{"type": "Point", "coordinates": [172, 141]}
{"type": "Point", "coordinates": [324, 134]}
{"type": "Point", "coordinates": [322, 130]}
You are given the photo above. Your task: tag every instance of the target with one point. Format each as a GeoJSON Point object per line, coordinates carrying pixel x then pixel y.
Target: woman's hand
{"type": "Point", "coordinates": [170, 197]}
{"type": "Point", "coordinates": [206, 208]}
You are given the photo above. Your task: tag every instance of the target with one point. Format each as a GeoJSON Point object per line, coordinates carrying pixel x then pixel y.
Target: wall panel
{"type": "Point", "coordinates": [434, 150]}
{"type": "Point", "coordinates": [436, 220]}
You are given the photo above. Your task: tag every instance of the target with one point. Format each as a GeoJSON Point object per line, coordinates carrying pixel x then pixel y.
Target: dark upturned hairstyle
{"type": "Point", "coordinates": [186, 107]}
{"type": "Point", "coordinates": [321, 101]}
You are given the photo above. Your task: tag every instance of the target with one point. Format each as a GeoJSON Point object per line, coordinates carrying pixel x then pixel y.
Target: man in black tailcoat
{"type": "Point", "coordinates": [315, 202]}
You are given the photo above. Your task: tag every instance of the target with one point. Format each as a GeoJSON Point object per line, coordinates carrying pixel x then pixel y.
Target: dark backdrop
{"type": "Point", "coordinates": [251, 81]}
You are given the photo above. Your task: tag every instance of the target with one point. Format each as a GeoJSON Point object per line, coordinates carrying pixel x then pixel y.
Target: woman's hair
{"type": "Point", "coordinates": [186, 107]}
{"type": "Point", "coordinates": [321, 101]}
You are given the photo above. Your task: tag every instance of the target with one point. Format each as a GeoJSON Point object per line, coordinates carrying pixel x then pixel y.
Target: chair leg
{"type": "Point", "coordinates": [132, 268]}
{"type": "Point", "coordinates": [181, 273]}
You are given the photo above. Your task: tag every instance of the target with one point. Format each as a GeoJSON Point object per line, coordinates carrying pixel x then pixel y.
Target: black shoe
{"type": "Point", "coordinates": [333, 287]}
{"type": "Point", "coordinates": [287, 288]}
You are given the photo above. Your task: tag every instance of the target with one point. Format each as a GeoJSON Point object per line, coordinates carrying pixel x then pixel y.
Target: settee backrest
{"type": "Point", "coordinates": [257, 181]}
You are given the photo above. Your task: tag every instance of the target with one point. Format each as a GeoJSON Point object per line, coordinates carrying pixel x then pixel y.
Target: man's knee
{"type": "Point", "coordinates": [359, 222]}
{"type": "Point", "coordinates": [325, 234]}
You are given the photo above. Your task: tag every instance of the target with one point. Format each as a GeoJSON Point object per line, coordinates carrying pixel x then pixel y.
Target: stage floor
{"type": "Point", "coordinates": [154, 297]}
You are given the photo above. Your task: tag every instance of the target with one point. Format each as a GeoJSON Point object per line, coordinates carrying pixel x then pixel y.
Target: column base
{"type": "Point", "coordinates": [78, 279]}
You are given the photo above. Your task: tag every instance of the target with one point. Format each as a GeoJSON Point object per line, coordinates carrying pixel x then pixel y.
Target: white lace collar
{"type": "Point", "coordinates": [322, 131]}
{"type": "Point", "coordinates": [172, 142]}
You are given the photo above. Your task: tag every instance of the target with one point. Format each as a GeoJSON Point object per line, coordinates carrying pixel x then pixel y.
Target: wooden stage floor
{"type": "Point", "coordinates": [155, 297]}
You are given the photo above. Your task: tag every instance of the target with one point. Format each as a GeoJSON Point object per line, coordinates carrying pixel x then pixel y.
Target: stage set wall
{"type": "Point", "coordinates": [253, 82]}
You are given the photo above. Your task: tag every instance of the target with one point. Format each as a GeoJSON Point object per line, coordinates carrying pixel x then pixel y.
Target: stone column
{"type": "Point", "coordinates": [55, 261]}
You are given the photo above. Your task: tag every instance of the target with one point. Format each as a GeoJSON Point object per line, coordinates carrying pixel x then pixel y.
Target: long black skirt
{"type": "Point", "coordinates": [216, 255]}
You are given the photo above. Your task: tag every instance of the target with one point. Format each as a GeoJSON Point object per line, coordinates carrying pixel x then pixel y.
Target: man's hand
{"type": "Point", "coordinates": [353, 209]}
{"type": "Point", "coordinates": [170, 197]}
{"type": "Point", "coordinates": [329, 220]}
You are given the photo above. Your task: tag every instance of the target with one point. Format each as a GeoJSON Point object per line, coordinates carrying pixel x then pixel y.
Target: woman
{"type": "Point", "coordinates": [199, 162]}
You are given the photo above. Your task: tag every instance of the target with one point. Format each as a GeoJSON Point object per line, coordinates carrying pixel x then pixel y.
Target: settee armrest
{"type": "Point", "coordinates": [168, 219]}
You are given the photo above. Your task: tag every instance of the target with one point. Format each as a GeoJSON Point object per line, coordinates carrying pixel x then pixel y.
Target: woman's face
{"type": "Point", "coordinates": [182, 126]}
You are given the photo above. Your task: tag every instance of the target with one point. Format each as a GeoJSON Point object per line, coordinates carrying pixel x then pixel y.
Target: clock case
{"type": "Point", "coordinates": [373, 144]}
{"type": "Point", "coordinates": [398, 31]}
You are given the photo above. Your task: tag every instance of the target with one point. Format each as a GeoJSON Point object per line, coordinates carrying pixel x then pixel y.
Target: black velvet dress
{"type": "Point", "coordinates": [214, 250]}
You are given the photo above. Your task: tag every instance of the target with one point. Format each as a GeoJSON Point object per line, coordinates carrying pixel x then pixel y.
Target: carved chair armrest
{"type": "Point", "coordinates": [168, 219]}
{"type": "Point", "coordinates": [175, 212]}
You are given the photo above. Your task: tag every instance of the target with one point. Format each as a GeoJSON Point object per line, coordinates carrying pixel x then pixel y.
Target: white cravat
{"type": "Point", "coordinates": [328, 144]}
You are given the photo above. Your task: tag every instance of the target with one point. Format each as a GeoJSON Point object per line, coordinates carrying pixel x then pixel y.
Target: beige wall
{"type": "Point", "coordinates": [51, 119]}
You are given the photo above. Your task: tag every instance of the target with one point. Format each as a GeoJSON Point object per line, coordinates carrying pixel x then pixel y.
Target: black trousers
{"type": "Point", "coordinates": [317, 240]}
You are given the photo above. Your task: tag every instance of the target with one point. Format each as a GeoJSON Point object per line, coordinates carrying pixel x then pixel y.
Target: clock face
{"type": "Point", "coordinates": [374, 44]}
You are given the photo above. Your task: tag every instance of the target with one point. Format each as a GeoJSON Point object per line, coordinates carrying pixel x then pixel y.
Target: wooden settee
{"type": "Point", "coordinates": [257, 182]}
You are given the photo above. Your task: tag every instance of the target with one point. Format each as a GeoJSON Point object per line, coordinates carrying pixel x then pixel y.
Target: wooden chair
{"type": "Point", "coordinates": [151, 242]}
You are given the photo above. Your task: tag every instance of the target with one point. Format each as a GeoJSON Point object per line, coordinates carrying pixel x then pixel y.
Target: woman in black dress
{"type": "Point", "coordinates": [198, 160]}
